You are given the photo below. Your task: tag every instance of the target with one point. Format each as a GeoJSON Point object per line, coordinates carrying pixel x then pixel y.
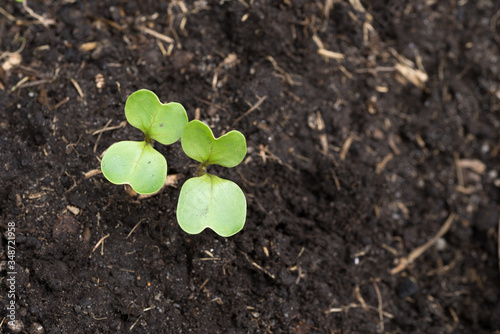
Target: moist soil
{"type": "Point", "coordinates": [372, 174]}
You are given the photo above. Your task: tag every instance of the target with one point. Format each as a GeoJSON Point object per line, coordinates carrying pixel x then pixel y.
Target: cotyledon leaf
{"type": "Point", "coordinates": [135, 163]}
{"type": "Point", "coordinates": [199, 143]}
{"type": "Point", "coordinates": [161, 122]}
{"type": "Point", "coordinates": [209, 201]}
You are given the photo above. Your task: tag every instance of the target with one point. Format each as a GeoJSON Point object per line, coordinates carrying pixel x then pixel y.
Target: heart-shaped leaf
{"type": "Point", "coordinates": [158, 121]}
{"type": "Point", "coordinates": [135, 163]}
{"type": "Point", "coordinates": [209, 201]}
{"type": "Point", "coordinates": [199, 143]}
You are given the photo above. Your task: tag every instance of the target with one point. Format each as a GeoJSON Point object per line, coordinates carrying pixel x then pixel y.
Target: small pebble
{"type": "Point", "coordinates": [492, 174]}
{"type": "Point", "coordinates": [441, 244]}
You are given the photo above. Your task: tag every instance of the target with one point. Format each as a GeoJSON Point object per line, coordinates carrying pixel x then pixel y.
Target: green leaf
{"type": "Point", "coordinates": [209, 201]}
{"type": "Point", "coordinates": [135, 163]}
{"type": "Point", "coordinates": [199, 143]}
{"type": "Point", "coordinates": [161, 122]}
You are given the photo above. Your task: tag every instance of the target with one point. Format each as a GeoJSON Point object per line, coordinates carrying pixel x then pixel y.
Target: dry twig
{"type": "Point", "coordinates": [46, 22]}
{"type": "Point", "coordinates": [405, 261]}
{"type": "Point", "coordinates": [265, 271]}
{"type": "Point", "coordinates": [416, 77]}
{"type": "Point", "coordinates": [79, 90]}
{"type": "Point", "coordinates": [380, 306]}
{"type": "Point", "coordinates": [92, 173]}
{"type": "Point", "coordinates": [345, 147]}
{"type": "Point", "coordinates": [381, 165]}
{"type": "Point", "coordinates": [255, 106]}
{"type": "Point", "coordinates": [106, 128]}
{"type": "Point", "coordinates": [156, 34]}
{"type": "Point", "coordinates": [136, 225]}
{"type": "Point", "coordinates": [458, 167]}
{"type": "Point", "coordinates": [8, 15]}
{"type": "Point", "coordinates": [282, 72]}
{"type": "Point", "coordinates": [100, 242]}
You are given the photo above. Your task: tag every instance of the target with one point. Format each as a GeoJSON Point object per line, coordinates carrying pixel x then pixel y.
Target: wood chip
{"type": "Point", "coordinates": [85, 47]}
{"type": "Point", "coordinates": [73, 209]}
{"type": "Point", "coordinates": [323, 140]}
{"type": "Point", "coordinates": [230, 61]}
{"type": "Point", "coordinates": [266, 251]}
{"type": "Point", "coordinates": [381, 89]}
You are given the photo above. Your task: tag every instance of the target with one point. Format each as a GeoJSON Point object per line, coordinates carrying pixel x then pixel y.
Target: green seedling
{"type": "Point", "coordinates": [138, 163]}
{"type": "Point", "coordinates": [207, 200]}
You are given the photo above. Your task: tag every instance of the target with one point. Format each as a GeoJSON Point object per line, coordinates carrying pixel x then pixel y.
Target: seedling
{"type": "Point", "coordinates": [138, 163]}
{"type": "Point", "coordinates": [207, 200]}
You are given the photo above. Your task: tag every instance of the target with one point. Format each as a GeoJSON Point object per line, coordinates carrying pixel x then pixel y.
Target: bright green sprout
{"type": "Point", "coordinates": [207, 200]}
{"type": "Point", "coordinates": [138, 163]}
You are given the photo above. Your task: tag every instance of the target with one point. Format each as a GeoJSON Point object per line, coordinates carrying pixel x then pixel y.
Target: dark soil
{"type": "Point", "coordinates": [355, 159]}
